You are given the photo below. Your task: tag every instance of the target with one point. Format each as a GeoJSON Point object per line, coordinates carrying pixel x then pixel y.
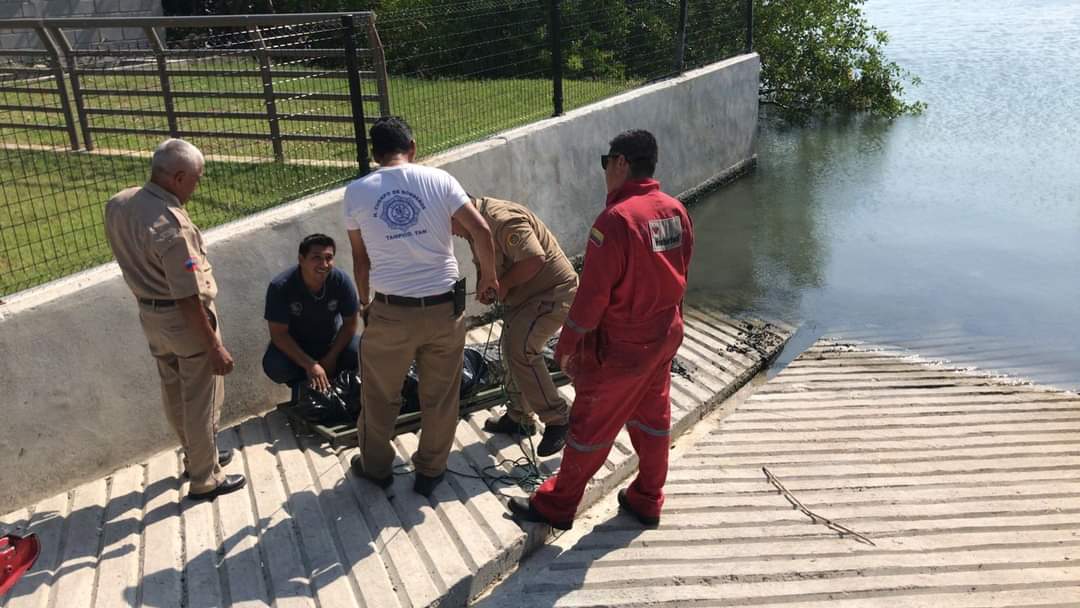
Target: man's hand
{"type": "Point", "coordinates": [221, 362]}
{"type": "Point", "coordinates": [199, 317]}
{"type": "Point", "coordinates": [487, 289]}
{"type": "Point", "coordinates": [520, 273]}
{"type": "Point", "coordinates": [317, 377]}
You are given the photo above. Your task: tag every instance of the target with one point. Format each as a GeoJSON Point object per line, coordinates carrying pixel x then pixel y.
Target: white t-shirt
{"type": "Point", "coordinates": [403, 212]}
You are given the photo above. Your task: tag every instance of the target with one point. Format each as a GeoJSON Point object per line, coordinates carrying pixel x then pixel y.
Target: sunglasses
{"type": "Point", "coordinates": [604, 158]}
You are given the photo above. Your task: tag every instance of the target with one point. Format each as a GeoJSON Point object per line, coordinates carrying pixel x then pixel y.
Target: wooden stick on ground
{"type": "Point", "coordinates": [814, 517]}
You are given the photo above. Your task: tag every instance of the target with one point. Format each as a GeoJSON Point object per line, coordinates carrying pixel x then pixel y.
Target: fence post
{"type": "Point", "coordinates": [163, 76]}
{"type": "Point", "coordinates": [61, 88]}
{"type": "Point", "coordinates": [76, 86]}
{"type": "Point", "coordinates": [268, 91]}
{"type": "Point", "coordinates": [680, 39]}
{"type": "Point", "coordinates": [749, 26]}
{"type": "Point", "coordinates": [356, 93]}
{"type": "Point", "coordinates": [378, 57]}
{"type": "Point", "coordinates": [555, 38]}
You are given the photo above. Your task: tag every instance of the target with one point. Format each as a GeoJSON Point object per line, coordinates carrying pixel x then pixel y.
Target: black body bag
{"type": "Point", "coordinates": [341, 404]}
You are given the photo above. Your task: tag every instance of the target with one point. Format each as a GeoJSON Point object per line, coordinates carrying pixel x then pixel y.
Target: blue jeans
{"type": "Point", "coordinates": [281, 369]}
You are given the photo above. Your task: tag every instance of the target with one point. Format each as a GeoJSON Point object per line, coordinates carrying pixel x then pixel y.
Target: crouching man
{"type": "Point", "coordinates": [537, 284]}
{"type": "Point", "coordinates": [311, 310]}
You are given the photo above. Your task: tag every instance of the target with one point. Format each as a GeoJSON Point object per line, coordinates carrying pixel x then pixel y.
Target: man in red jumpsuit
{"type": "Point", "coordinates": [620, 336]}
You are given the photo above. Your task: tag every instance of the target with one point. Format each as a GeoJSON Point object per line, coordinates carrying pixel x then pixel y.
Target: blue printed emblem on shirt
{"type": "Point", "coordinates": [400, 212]}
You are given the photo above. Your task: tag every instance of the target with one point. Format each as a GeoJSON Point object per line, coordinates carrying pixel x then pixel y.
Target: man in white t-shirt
{"type": "Point", "coordinates": [398, 219]}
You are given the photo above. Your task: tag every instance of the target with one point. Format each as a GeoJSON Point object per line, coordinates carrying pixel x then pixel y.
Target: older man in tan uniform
{"type": "Point", "coordinates": [537, 284]}
{"type": "Point", "coordinates": [163, 260]}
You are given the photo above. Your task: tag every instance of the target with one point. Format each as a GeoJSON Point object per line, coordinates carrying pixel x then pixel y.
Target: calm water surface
{"type": "Point", "coordinates": [955, 234]}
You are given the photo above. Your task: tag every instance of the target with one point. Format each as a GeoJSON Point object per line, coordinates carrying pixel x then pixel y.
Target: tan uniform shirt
{"type": "Point", "coordinates": [160, 252]}
{"type": "Point", "coordinates": [519, 235]}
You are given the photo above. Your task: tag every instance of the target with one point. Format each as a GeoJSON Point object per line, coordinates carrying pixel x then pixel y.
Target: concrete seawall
{"type": "Point", "coordinates": [78, 390]}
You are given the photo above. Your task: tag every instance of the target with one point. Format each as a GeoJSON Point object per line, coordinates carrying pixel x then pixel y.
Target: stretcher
{"type": "Point", "coordinates": [487, 393]}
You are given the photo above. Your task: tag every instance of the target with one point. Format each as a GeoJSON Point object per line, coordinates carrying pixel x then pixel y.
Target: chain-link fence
{"type": "Point", "coordinates": [279, 103]}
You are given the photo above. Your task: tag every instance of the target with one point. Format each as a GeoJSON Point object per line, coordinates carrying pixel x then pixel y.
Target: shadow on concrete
{"type": "Point", "coordinates": [301, 526]}
{"type": "Point", "coordinates": [551, 572]}
{"type": "Point", "coordinates": [71, 542]}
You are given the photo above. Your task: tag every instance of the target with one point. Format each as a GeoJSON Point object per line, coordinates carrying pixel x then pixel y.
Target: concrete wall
{"type": "Point", "coordinates": [78, 389]}
{"type": "Point", "coordinates": [123, 37]}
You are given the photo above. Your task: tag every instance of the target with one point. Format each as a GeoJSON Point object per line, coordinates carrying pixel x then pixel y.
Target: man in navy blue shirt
{"type": "Point", "coordinates": [312, 311]}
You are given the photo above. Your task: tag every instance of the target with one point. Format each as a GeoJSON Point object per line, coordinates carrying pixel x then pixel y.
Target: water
{"type": "Point", "coordinates": [955, 234]}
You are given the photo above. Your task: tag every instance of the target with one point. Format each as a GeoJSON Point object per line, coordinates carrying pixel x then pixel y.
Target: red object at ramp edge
{"type": "Point", "coordinates": [17, 555]}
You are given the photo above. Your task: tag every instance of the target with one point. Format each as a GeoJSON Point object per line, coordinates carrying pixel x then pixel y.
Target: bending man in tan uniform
{"type": "Point", "coordinates": [163, 259]}
{"type": "Point", "coordinates": [537, 285]}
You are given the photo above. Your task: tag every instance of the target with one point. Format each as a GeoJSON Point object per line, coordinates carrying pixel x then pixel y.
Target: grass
{"type": "Point", "coordinates": [51, 202]}
{"type": "Point", "coordinates": [51, 216]}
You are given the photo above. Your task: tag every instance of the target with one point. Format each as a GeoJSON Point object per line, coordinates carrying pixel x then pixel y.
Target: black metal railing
{"type": "Point", "coordinates": [280, 103]}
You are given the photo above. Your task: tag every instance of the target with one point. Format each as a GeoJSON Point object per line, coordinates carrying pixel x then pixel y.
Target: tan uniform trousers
{"type": "Point", "coordinates": [190, 391]}
{"type": "Point", "coordinates": [526, 329]}
{"type": "Point", "coordinates": [393, 337]}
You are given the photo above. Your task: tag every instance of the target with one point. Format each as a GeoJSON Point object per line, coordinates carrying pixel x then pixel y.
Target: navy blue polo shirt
{"type": "Point", "coordinates": [313, 319]}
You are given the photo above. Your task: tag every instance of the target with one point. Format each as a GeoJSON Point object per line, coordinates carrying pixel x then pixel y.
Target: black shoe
{"type": "Point", "coordinates": [554, 439]}
{"type": "Point", "coordinates": [507, 426]}
{"type": "Point", "coordinates": [224, 457]}
{"type": "Point", "coordinates": [357, 466]}
{"type": "Point", "coordinates": [523, 510]}
{"type": "Point", "coordinates": [425, 485]}
{"type": "Point", "coordinates": [644, 520]}
{"type": "Point", "coordinates": [231, 483]}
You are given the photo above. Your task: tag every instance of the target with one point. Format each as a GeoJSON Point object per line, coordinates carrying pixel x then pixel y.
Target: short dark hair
{"type": "Point", "coordinates": [316, 240]}
{"type": "Point", "coordinates": [638, 147]}
{"type": "Point", "coordinates": [390, 134]}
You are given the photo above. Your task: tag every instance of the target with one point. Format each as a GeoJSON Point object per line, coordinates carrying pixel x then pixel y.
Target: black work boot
{"type": "Point", "coordinates": [646, 520]}
{"type": "Point", "coordinates": [507, 426]}
{"type": "Point", "coordinates": [357, 466]}
{"type": "Point", "coordinates": [523, 510]}
{"type": "Point", "coordinates": [554, 439]}
{"type": "Point", "coordinates": [425, 485]}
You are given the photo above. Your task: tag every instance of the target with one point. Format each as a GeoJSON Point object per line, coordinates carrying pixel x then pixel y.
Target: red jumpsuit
{"type": "Point", "coordinates": [621, 333]}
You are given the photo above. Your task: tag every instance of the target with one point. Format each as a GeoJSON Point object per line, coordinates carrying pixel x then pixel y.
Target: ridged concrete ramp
{"type": "Point", "coordinates": [968, 488]}
{"type": "Point", "coordinates": [305, 532]}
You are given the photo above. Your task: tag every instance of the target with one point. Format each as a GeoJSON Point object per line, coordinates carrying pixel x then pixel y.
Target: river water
{"type": "Point", "coordinates": [954, 234]}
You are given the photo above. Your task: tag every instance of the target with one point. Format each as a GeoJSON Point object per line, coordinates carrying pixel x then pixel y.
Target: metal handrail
{"type": "Point", "coordinates": [182, 21]}
{"type": "Point", "coordinates": [71, 82]}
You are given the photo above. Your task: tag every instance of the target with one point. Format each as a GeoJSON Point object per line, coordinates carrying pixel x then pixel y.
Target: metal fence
{"type": "Point", "coordinates": [268, 98]}
{"type": "Point", "coordinates": [279, 103]}
{"type": "Point", "coordinates": [279, 54]}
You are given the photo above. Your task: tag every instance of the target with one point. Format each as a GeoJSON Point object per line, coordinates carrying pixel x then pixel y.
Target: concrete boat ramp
{"type": "Point", "coordinates": [306, 532]}
{"type": "Point", "coordinates": [852, 478]}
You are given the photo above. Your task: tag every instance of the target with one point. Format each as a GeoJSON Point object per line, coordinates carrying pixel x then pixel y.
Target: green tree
{"type": "Point", "coordinates": [822, 57]}
{"type": "Point", "coordinates": [819, 57]}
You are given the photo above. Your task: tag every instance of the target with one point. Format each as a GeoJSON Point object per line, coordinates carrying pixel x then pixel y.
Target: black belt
{"type": "Point", "coordinates": [157, 303]}
{"type": "Point", "coordinates": [415, 302]}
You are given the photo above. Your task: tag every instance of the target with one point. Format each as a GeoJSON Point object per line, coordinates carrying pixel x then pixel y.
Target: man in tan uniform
{"type": "Point", "coordinates": [163, 259]}
{"type": "Point", "coordinates": [536, 285]}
